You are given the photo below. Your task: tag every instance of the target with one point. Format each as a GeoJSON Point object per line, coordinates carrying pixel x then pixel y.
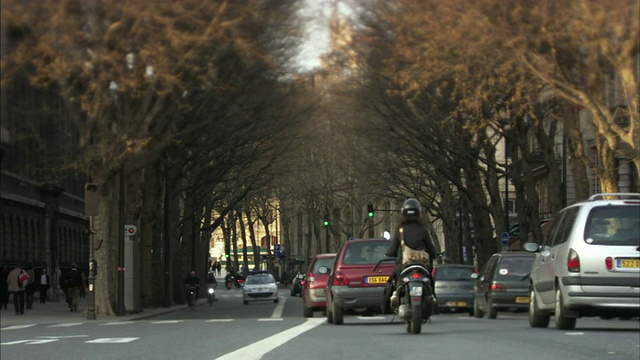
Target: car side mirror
{"type": "Point", "coordinates": [531, 247]}
{"type": "Point", "coordinates": [474, 275]}
{"type": "Point", "coordinates": [482, 278]}
{"type": "Point", "coordinates": [323, 270]}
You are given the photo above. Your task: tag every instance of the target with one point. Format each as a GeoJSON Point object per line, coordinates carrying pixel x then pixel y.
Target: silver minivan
{"type": "Point", "coordinates": [589, 262]}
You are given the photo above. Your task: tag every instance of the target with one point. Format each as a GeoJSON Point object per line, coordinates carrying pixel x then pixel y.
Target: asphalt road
{"type": "Point", "coordinates": [269, 331]}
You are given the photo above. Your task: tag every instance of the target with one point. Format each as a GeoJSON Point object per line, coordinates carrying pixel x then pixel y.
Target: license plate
{"type": "Point", "coordinates": [415, 291]}
{"type": "Point", "coordinates": [456, 303]}
{"type": "Point", "coordinates": [522, 299]}
{"type": "Point", "coordinates": [376, 279]}
{"type": "Point", "coordinates": [628, 263]}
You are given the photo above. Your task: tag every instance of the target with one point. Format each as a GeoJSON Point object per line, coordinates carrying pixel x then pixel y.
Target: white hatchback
{"type": "Point", "coordinates": [589, 262]}
{"type": "Point", "coordinates": [258, 287]}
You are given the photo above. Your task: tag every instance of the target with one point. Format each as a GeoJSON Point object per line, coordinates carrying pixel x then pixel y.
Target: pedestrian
{"type": "Point", "coordinates": [4, 291]}
{"type": "Point", "coordinates": [83, 286]}
{"type": "Point", "coordinates": [16, 283]}
{"type": "Point", "coordinates": [74, 282]}
{"type": "Point", "coordinates": [219, 268]}
{"type": "Point", "coordinates": [30, 289]}
{"type": "Point", "coordinates": [45, 283]}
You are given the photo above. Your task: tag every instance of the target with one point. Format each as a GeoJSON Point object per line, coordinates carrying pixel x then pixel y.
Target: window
{"type": "Point", "coordinates": [566, 225]}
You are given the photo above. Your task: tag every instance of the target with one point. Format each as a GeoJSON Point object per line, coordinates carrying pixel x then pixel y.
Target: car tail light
{"type": "Point", "coordinates": [573, 262]}
{"type": "Point", "coordinates": [433, 272]}
{"type": "Point", "coordinates": [608, 261]}
{"type": "Point", "coordinates": [311, 279]}
{"type": "Point", "coordinates": [498, 287]}
{"type": "Point", "coordinates": [339, 279]}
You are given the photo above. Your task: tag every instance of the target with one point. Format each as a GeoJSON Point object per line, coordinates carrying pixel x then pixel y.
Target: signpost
{"type": "Point", "coordinates": [504, 238]}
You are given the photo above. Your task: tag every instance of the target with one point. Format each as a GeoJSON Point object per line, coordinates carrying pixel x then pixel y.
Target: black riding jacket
{"type": "Point", "coordinates": [416, 237]}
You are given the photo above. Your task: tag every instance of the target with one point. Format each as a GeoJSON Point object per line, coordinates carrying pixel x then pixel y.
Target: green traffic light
{"type": "Point", "coordinates": [326, 223]}
{"type": "Point", "coordinates": [226, 255]}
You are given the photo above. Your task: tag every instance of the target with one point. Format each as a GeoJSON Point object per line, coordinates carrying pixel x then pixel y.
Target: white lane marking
{"type": "Point", "coordinates": [64, 325]}
{"type": "Point", "coordinates": [30, 342]}
{"type": "Point", "coordinates": [256, 350]}
{"type": "Point", "coordinates": [219, 320]}
{"type": "Point", "coordinates": [111, 340]}
{"type": "Point", "coordinates": [62, 337]}
{"type": "Point", "coordinates": [271, 319]}
{"type": "Point", "coordinates": [18, 327]}
{"type": "Point", "coordinates": [41, 341]}
{"type": "Point", "coordinates": [277, 312]}
{"type": "Point", "coordinates": [167, 322]}
{"type": "Point", "coordinates": [574, 333]}
{"type": "Point", "coordinates": [117, 323]}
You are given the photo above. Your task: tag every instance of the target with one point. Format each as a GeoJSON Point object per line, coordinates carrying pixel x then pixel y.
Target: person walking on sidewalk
{"type": "Point", "coordinates": [74, 282]}
{"type": "Point", "coordinates": [16, 282]}
{"type": "Point", "coordinates": [4, 290]}
{"type": "Point", "coordinates": [44, 284]}
{"type": "Point", "coordinates": [30, 288]}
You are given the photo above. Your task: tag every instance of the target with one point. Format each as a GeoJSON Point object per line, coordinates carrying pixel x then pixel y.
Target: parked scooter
{"type": "Point", "coordinates": [413, 300]}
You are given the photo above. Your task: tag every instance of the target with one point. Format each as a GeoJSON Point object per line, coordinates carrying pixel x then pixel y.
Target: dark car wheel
{"type": "Point", "coordinates": [307, 311]}
{"type": "Point", "coordinates": [536, 317]}
{"type": "Point", "coordinates": [562, 321]}
{"type": "Point", "coordinates": [338, 317]}
{"type": "Point", "coordinates": [493, 312]}
{"type": "Point", "coordinates": [477, 312]}
{"type": "Point", "coordinates": [329, 313]}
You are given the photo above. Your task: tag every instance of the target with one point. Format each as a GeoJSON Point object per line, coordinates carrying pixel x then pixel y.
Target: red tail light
{"type": "Point", "coordinates": [416, 276]}
{"type": "Point", "coordinates": [339, 279]}
{"type": "Point", "coordinates": [302, 282]}
{"type": "Point", "coordinates": [573, 262]}
{"type": "Point", "coordinates": [608, 261]}
{"type": "Point", "coordinates": [498, 287]}
{"type": "Point", "coordinates": [433, 272]}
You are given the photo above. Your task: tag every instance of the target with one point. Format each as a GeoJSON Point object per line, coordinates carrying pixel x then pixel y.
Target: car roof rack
{"type": "Point", "coordinates": [618, 196]}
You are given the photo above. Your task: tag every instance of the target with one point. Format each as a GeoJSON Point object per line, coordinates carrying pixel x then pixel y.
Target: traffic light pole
{"type": "Point", "coordinates": [91, 310]}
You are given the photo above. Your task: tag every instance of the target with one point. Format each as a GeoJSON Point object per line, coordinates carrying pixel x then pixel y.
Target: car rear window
{"type": "Point", "coordinates": [613, 225]}
{"type": "Point", "coordinates": [260, 279]}
{"type": "Point", "coordinates": [365, 253]}
{"type": "Point", "coordinates": [328, 262]}
{"type": "Point", "coordinates": [454, 273]}
{"type": "Point", "coordinates": [514, 267]}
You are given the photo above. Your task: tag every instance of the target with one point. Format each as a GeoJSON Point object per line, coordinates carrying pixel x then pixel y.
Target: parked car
{"type": "Point", "coordinates": [355, 284]}
{"type": "Point", "coordinates": [503, 284]}
{"type": "Point", "coordinates": [258, 287]}
{"type": "Point", "coordinates": [454, 287]}
{"type": "Point", "coordinates": [589, 264]}
{"type": "Point", "coordinates": [313, 296]}
{"type": "Point", "coordinates": [297, 285]}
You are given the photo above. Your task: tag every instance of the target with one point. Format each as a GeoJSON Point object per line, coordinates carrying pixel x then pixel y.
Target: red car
{"type": "Point", "coordinates": [358, 279]}
{"type": "Point", "coordinates": [313, 290]}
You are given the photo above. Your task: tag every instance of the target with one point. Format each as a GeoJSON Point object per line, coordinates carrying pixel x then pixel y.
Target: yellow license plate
{"type": "Point", "coordinates": [377, 279]}
{"type": "Point", "coordinates": [456, 303]}
{"type": "Point", "coordinates": [522, 299]}
{"type": "Point", "coordinates": [630, 263]}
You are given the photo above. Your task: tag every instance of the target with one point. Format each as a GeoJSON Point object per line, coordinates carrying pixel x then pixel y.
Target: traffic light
{"type": "Point", "coordinates": [370, 210]}
{"type": "Point", "coordinates": [326, 220]}
{"type": "Point", "coordinates": [226, 256]}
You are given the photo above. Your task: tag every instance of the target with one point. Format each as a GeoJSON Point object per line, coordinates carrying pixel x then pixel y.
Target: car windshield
{"type": "Point", "coordinates": [328, 262]}
{"type": "Point", "coordinates": [365, 253]}
{"type": "Point", "coordinates": [613, 225]}
{"type": "Point", "coordinates": [456, 273]}
{"type": "Point", "coordinates": [514, 268]}
{"type": "Point", "coordinates": [263, 279]}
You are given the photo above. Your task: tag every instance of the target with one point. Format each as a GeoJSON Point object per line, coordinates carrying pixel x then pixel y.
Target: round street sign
{"type": "Point", "coordinates": [504, 238]}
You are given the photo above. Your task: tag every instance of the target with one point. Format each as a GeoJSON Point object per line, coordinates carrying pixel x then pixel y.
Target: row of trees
{"type": "Point", "coordinates": [182, 110]}
{"type": "Point", "coordinates": [443, 83]}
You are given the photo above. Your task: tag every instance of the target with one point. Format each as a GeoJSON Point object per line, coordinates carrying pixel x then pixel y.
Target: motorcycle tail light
{"type": "Point", "coordinates": [573, 262]}
{"type": "Point", "coordinates": [608, 261]}
{"type": "Point", "coordinates": [302, 282]}
{"type": "Point", "coordinates": [416, 276]}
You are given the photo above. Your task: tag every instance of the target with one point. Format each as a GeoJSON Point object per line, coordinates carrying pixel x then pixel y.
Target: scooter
{"type": "Point", "coordinates": [413, 299]}
{"type": "Point", "coordinates": [211, 295]}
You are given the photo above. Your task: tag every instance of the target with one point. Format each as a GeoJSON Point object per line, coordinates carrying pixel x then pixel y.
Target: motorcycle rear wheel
{"type": "Point", "coordinates": [414, 326]}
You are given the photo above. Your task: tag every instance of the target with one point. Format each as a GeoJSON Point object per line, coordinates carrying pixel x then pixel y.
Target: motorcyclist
{"type": "Point", "coordinates": [230, 277]}
{"type": "Point", "coordinates": [211, 279]}
{"type": "Point", "coordinates": [191, 280]}
{"type": "Point", "coordinates": [416, 236]}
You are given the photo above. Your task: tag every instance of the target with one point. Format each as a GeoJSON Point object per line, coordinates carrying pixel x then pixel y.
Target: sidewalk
{"type": "Point", "coordinates": [58, 312]}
